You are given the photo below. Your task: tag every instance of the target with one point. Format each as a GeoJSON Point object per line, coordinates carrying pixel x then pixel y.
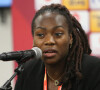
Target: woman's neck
{"type": "Point", "coordinates": [55, 71]}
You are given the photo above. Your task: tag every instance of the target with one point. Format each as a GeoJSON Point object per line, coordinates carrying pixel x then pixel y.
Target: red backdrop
{"type": "Point", "coordinates": [22, 14]}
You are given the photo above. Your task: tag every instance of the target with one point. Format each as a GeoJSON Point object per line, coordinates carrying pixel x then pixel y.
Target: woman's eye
{"type": "Point", "coordinates": [40, 35]}
{"type": "Point", "coordinates": [58, 34]}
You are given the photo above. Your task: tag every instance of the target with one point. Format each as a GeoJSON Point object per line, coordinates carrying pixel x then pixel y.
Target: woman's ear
{"type": "Point", "coordinates": [71, 39]}
{"type": "Point", "coordinates": [33, 43]}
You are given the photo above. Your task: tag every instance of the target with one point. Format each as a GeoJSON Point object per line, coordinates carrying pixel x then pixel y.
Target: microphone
{"type": "Point", "coordinates": [22, 56]}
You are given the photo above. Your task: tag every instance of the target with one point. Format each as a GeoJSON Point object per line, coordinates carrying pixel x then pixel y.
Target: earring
{"type": "Point", "coordinates": [70, 45]}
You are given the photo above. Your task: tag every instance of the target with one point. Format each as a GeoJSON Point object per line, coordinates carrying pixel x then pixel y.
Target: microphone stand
{"type": "Point", "coordinates": [7, 85]}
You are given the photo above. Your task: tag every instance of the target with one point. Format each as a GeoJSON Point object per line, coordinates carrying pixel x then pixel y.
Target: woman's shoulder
{"type": "Point", "coordinates": [31, 69]}
{"type": "Point", "coordinates": [33, 64]}
{"type": "Point", "coordinates": [90, 69]}
{"type": "Point", "coordinates": [90, 63]}
{"type": "Point", "coordinates": [88, 60]}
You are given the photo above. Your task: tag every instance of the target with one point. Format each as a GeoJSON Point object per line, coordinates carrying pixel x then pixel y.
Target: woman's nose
{"type": "Point", "coordinates": [49, 40]}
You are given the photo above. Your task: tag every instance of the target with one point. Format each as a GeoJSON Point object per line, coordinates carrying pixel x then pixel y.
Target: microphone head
{"type": "Point", "coordinates": [38, 52]}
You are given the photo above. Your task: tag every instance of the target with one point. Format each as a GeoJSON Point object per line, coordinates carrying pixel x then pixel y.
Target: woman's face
{"type": "Point", "coordinates": [52, 37]}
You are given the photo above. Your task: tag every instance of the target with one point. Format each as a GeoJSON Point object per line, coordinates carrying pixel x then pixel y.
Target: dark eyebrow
{"type": "Point", "coordinates": [58, 27]}
{"type": "Point", "coordinates": [43, 28]}
{"type": "Point", "coordinates": [40, 28]}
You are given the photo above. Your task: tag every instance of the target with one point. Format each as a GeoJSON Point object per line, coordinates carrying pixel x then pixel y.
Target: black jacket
{"type": "Point", "coordinates": [33, 75]}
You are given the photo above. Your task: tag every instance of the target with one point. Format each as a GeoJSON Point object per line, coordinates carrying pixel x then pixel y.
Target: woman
{"type": "Point", "coordinates": [65, 63]}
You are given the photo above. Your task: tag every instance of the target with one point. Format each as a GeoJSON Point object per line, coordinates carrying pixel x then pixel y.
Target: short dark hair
{"type": "Point", "coordinates": [79, 46]}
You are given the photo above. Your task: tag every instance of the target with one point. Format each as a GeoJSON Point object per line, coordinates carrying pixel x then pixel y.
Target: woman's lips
{"type": "Point", "coordinates": [49, 53]}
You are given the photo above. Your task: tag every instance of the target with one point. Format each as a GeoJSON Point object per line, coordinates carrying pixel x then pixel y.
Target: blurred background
{"type": "Point", "coordinates": [15, 26]}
